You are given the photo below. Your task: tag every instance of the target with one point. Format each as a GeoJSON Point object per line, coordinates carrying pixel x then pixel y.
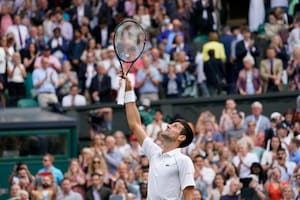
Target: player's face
{"type": "Point", "coordinates": [173, 131]}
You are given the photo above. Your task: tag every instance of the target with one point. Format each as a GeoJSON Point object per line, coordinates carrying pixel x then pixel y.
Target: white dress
{"type": "Point", "coordinates": [256, 14]}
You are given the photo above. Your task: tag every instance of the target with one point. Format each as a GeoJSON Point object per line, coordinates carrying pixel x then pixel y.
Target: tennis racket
{"type": "Point", "coordinates": [129, 43]}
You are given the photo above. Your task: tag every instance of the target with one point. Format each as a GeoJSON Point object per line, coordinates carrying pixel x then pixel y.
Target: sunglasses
{"type": "Point", "coordinates": [96, 161]}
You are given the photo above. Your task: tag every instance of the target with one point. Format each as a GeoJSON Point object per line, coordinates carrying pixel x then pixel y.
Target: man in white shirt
{"type": "Point", "coordinates": [73, 99]}
{"type": "Point", "coordinates": [171, 173]}
{"type": "Point", "coordinates": [157, 125]}
{"type": "Point", "coordinates": [19, 31]}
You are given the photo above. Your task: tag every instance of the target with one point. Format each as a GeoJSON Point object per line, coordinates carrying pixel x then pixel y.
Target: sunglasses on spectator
{"type": "Point", "coordinates": [96, 161]}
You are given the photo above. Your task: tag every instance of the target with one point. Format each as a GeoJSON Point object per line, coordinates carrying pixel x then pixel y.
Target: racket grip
{"type": "Point", "coordinates": [121, 96]}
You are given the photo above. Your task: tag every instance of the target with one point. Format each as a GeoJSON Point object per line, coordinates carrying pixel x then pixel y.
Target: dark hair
{"type": "Point", "coordinates": [262, 177]}
{"type": "Point", "coordinates": [279, 147]}
{"type": "Point", "coordinates": [187, 131]}
{"type": "Point", "coordinates": [211, 53]}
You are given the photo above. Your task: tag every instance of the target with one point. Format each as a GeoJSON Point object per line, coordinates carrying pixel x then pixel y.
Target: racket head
{"type": "Point", "coordinates": [129, 40]}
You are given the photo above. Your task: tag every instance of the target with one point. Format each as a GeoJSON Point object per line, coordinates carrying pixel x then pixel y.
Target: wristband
{"type": "Point", "coordinates": [129, 96]}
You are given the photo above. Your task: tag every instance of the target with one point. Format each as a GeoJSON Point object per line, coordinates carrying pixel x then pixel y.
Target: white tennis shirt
{"type": "Point", "coordinates": [169, 173]}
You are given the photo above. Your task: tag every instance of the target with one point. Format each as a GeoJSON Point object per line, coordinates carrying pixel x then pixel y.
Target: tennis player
{"type": "Point", "coordinates": [171, 173]}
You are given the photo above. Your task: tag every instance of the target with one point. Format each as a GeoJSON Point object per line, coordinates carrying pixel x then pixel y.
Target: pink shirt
{"type": "Point", "coordinates": [6, 22]}
{"type": "Point", "coordinates": [53, 61]}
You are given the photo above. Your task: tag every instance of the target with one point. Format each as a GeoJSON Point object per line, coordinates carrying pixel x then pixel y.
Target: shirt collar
{"type": "Point", "coordinates": [171, 153]}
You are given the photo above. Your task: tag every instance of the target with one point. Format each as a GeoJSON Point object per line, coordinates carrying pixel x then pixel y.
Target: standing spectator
{"type": "Point", "coordinates": [59, 45]}
{"type": "Point", "coordinates": [65, 26]}
{"type": "Point", "coordinates": [294, 150]}
{"type": "Point", "coordinates": [269, 155]}
{"type": "Point", "coordinates": [271, 70]}
{"type": "Point", "coordinates": [234, 188]}
{"type": "Point", "coordinates": [237, 131]}
{"type": "Point", "coordinates": [284, 165]}
{"type": "Point", "coordinates": [96, 165]}
{"type": "Point", "coordinates": [46, 189]}
{"type": "Point", "coordinates": [101, 86]}
{"type": "Point", "coordinates": [48, 161]}
{"type": "Point", "coordinates": [157, 125]}
{"type": "Point", "coordinates": [3, 65]}
{"type": "Point", "coordinates": [219, 189]}
{"type": "Point", "coordinates": [67, 193]}
{"type": "Point", "coordinates": [281, 52]}
{"type": "Point", "coordinates": [32, 37]}
{"type": "Point", "coordinates": [172, 82]}
{"type": "Point", "coordinates": [107, 11]}
{"type": "Point", "coordinates": [76, 48]}
{"type": "Point", "coordinates": [66, 78]}
{"type": "Point", "coordinates": [19, 31]}
{"type": "Point", "coordinates": [52, 60]}
{"type": "Point", "coordinates": [256, 14]}
{"type": "Point", "coordinates": [293, 70]}
{"type": "Point", "coordinates": [143, 17]}
{"type": "Point", "coordinates": [16, 73]}
{"type": "Point", "coordinates": [148, 80]}
{"type": "Point", "coordinates": [172, 33]}
{"type": "Point", "coordinates": [80, 13]}
{"type": "Point", "coordinates": [14, 192]}
{"type": "Point", "coordinates": [244, 159]}
{"type": "Point", "coordinates": [214, 44]}
{"type": "Point", "coordinates": [98, 190]}
{"type": "Point", "coordinates": [274, 184]}
{"type": "Point", "coordinates": [225, 119]}
{"type": "Point", "coordinates": [6, 19]}
{"type": "Point", "coordinates": [257, 138]}
{"type": "Point", "coordinates": [293, 39]}
{"type": "Point", "coordinates": [29, 55]}
{"type": "Point", "coordinates": [179, 45]}
{"type": "Point", "coordinates": [93, 48]}
{"type": "Point", "coordinates": [205, 173]}
{"type": "Point", "coordinates": [202, 18]}
{"type": "Point", "coordinates": [102, 33]}
{"type": "Point", "coordinates": [45, 82]}
{"type": "Point", "coordinates": [249, 80]}
{"type": "Point", "coordinates": [76, 178]}
{"type": "Point", "coordinates": [215, 74]}
{"type": "Point", "coordinates": [112, 155]}
{"type": "Point", "coordinates": [121, 143]}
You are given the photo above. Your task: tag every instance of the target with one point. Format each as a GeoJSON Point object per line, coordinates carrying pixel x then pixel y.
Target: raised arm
{"type": "Point", "coordinates": [132, 114]}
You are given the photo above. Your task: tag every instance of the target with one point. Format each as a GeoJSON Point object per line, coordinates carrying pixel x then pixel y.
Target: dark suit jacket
{"type": "Point", "coordinates": [103, 191]}
{"type": "Point", "coordinates": [87, 13]}
{"type": "Point", "coordinates": [214, 71]}
{"type": "Point", "coordinates": [107, 13]}
{"type": "Point", "coordinates": [187, 49]}
{"type": "Point", "coordinates": [63, 48]}
{"type": "Point", "coordinates": [104, 89]}
{"type": "Point", "coordinates": [96, 32]}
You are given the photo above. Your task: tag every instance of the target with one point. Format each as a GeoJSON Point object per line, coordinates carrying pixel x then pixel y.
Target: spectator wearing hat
{"type": "Point", "coordinates": [262, 122]}
{"type": "Point", "coordinates": [52, 60]}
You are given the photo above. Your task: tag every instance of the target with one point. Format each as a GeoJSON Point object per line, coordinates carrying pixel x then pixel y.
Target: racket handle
{"type": "Point", "coordinates": [121, 96]}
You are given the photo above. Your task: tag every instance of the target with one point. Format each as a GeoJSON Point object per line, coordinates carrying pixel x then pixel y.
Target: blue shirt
{"type": "Point", "coordinates": [39, 74]}
{"type": "Point", "coordinates": [148, 86]}
{"type": "Point", "coordinates": [57, 174]}
{"type": "Point", "coordinates": [113, 159]}
{"type": "Point", "coordinates": [295, 156]}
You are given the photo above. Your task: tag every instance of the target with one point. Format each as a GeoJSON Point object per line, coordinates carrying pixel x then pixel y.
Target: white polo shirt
{"type": "Point", "coordinates": [169, 173]}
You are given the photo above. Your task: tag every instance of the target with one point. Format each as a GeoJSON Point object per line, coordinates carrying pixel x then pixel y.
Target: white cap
{"type": "Point", "coordinates": [275, 115]}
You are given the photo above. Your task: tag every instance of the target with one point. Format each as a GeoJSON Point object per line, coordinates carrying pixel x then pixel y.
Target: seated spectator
{"type": "Point", "coordinates": [21, 176]}
{"type": "Point", "coordinates": [271, 70]}
{"type": "Point", "coordinates": [257, 138]}
{"type": "Point", "coordinates": [269, 155]}
{"type": "Point", "coordinates": [121, 142]}
{"type": "Point", "coordinates": [287, 192]}
{"type": "Point", "coordinates": [293, 70]}
{"type": "Point", "coordinates": [98, 190]}
{"type": "Point", "coordinates": [66, 78]}
{"type": "Point", "coordinates": [53, 61]}
{"type": "Point", "coordinates": [67, 191]}
{"type": "Point", "coordinates": [97, 164]}
{"type": "Point", "coordinates": [85, 159]}
{"type": "Point", "coordinates": [45, 83]}
{"type": "Point", "coordinates": [284, 165]}
{"type": "Point", "coordinates": [46, 187]}
{"type": "Point", "coordinates": [197, 194]}
{"type": "Point", "coordinates": [281, 52]}
{"type": "Point", "coordinates": [237, 131]}
{"type": "Point", "coordinates": [100, 89]}
{"type": "Point", "coordinates": [215, 74]}
{"type": "Point", "coordinates": [49, 168]}
{"type": "Point", "coordinates": [74, 179]}
{"type": "Point", "coordinates": [249, 81]}
{"type": "Point", "coordinates": [73, 99]}
{"type": "Point", "coordinates": [14, 192]}
{"type": "Point", "coordinates": [16, 73]}
{"type": "Point", "coordinates": [294, 148]}
{"type": "Point", "coordinates": [172, 82]}
{"type": "Point", "coordinates": [234, 188]}
{"type": "Point", "coordinates": [112, 155]}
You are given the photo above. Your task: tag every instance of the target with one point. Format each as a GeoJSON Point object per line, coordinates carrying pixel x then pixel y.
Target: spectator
{"type": "Point", "coordinates": [19, 31]}
{"type": "Point", "coordinates": [85, 159]}
{"type": "Point", "coordinates": [244, 159]}
{"type": "Point", "coordinates": [213, 44]}
{"type": "Point", "coordinates": [74, 180]}
{"type": "Point", "coordinates": [256, 15]}
{"type": "Point", "coordinates": [42, 37]}
{"type": "Point", "coordinates": [59, 45]}
{"type": "Point", "coordinates": [14, 192]}
{"type": "Point", "coordinates": [271, 70]}
{"type": "Point", "coordinates": [274, 184]}
{"type": "Point", "coordinates": [121, 142]}
{"type": "Point", "coordinates": [197, 194]}
{"type": "Point", "coordinates": [297, 112]}
{"type": "Point", "coordinates": [172, 82]}
{"type": "Point", "coordinates": [92, 48]}
{"type": "Point", "coordinates": [269, 155]}
{"type": "Point", "coordinates": [3, 74]}
{"type": "Point", "coordinates": [73, 99]}
{"type": "Point", "coordinates": [100, 89]}
{"type": "Point", "coordinates": [76, 47]}
{"type": "Point", "coordinates": [294, 150]}
{"type": "Point", "coordinates": [16, 73]}
{"type": "Point", "coordinates": [257, 138]}
{"type": "Point", "coordinates": [287, 192]}
{"type": "Point", "coordinates": [6, 19]}
{"type": "Point", "coordinates": [249, 80]}
{"type": "Point", "coordinates": [274, 25]}
{"type": "Point", "coordinates": [24, 195]}
{"type": "Point", "coordinates": [215, 74]}
{"type": "Point", "coordinates": [29, 57]}
{"type": "Point", "coordinates": [102, 33]}
{"type": "Point", "coordinates": [112, 155]}
{"type": "Point", "coordinates": [179, 45]}
{"type": "Point", "coordinates": [281, 52]}
{"type": "Point", "coordinates": [258, 172]}
{"type": "Point", "coordinates": [143, 190]}
{"type": "Point", "coordinates": [67, 193]}
{"type": "Point", "coordinates": [97, 164]}
{"type": "Point", "coordinates": [52, 60]}
{"type": "Point", "coordinates": [143, 17]}
{"type": "Point", "coordinates": [293, 70]}
{"type": "Point", "coordinates": [21, 176]}
{"type": "Point", "coordinates": [148, 80]}
{"type": "Point", "coordinates": [46, 188]}
{"type": "Point", "coordinates": [262, 122]}
{"type": "Point", "coordinates": [293, 39]}
{"type": "Point", "coordinates": [233, 193]}
{"type": "Point", "coordinates": [225, 119]}
{"type": "Point", "coordinates": [66, 27]}
{"type": "Point", "coordinates": [98, 190]}
{"type": "Point", "coordinates": [157, 125]}
{"type": "Point", "coordinates": [202, 17]}
{"type": "Point", "coordinates": [66, 78]}
{"type": "Point", "coordinates": [48, 167]}
{"type": "Point", "coordinates": [284, 165]}
{"type": "Point", "coordinates": [45, 82]}
{"type": "Point", "coordinates": [80, 13]}
{"type": "Point", "coordinates": [219, 189]}
{"type": "Point", "coordinates": [172, 33]}
{"type": "Point", "coordinates": [238, 130]}
{"type": "Point", "coordinates": [202, 171]}
{"type": "Point", "coordinates": [32, 37]}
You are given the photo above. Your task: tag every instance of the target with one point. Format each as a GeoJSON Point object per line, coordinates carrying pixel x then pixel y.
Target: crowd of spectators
{"type": "Point", "coordinates": [61, 51]}
{"type": "Point", "coordinates": [49, 47]}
